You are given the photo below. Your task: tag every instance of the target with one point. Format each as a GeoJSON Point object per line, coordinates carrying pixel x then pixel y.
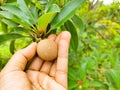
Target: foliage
{"type": "Point", "coordinates": [36, 18]}
{"type": "Point", "coordinates": [96, 65]}
{"type": "Point", "coordinates": [94, 55]}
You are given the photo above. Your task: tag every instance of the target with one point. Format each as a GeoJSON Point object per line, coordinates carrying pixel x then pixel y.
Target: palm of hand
{"type": "Point", "coordinates": [45, 76]}
{"type": "Point", "coordinates": [47, 83]}
{"type": "Point", "coordinates": [34, 79]}
{"type": "Point", "coordinates": [40, 75]}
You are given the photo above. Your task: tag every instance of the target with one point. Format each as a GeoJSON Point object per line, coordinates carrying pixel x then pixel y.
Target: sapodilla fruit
{"type": "Point", "coordinates": [47, 50]}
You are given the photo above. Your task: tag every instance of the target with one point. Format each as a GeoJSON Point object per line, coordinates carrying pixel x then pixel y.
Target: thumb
{"type": "Point", "coordinates": [20, 58]}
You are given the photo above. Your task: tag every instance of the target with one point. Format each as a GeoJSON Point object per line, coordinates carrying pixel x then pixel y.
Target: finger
{"type": "Point", "coordinates": [47, 83]}
{"type": "Point", "coordinates": [62, 61]}
{"type": "Point", "coordinates": [58, 37]}
{"type": "Point", "coordinates": [36, 64]}
{"type": "Point", "coordinates": [20, 58]}
{"type": "Point", "coordinates": [53, 70]}
{"type": "Point", "coordinates": [46, 67]}
{"type": "Point", "coordinates": [33, 77]}
{"type": "Point", "coordinates": [52, 37]}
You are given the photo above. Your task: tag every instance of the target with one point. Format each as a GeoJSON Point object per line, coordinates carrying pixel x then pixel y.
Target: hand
{"type": "Point", "coordinates": [40, 75]}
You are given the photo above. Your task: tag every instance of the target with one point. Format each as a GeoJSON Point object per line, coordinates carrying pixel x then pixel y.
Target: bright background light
{"type": "Point", "coordinates": [107, 2]}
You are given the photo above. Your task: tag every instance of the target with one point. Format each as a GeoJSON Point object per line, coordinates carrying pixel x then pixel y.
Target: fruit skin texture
{"type": "Point", "coordinates": [47, 50]}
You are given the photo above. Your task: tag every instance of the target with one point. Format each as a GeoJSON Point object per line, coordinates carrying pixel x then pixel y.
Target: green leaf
{"type": "Point", "coordinates": [72, 76]}
{"type": "Point", "coordinates": [113, 77]}
{"type": "Point", "coordinates": [54, 8]}
{"type": "Point", "coordinates": [61, 2]}
{"type": "Point", "coordinates": [34, 12]}
{"type": "Point", "coordinates": [4, 27]}
{"type": "Point", "coordinates": [39, 5]}
{"type": "Point", "coordinates": [9, 22]}
{"type": "Point", "coordinates": [22, 5]}
{"type": "Point", "coordinates": [20, 30]}
{"type": "Point", "coordinates": [11, 1]}
{"type": "Point", "coordinates": [74, 36]}
{"type": "Point", "coordinates": [14, 18]}
{"type": "Point", "coordinates": [83, 70]}
{"type": "Point", "coordinates": [44, 20]}
{"type": "Point", "coordinates": [78, 22]}
{"type": "Point", "coordinates": [49, 5]}
{"type": "Point", "coordinates": [27, 2]}
{"type": "Point", "coordinates": [97, 84]}
{"type": "Point", "coordinates": [17, 12]}
{"type": "Point", "coordinates": [72, 85]}
{"type": "Point", "coordinates": [66, 12]}
{"type": "Point", "coordinates": [7, 37]}
{"type": "Point", "coordinates": [12, 46]}
{"type": "Point", "coordinates": [7, 15]}
{"type": "Point", "coordinates": [43, 2]}
{"type": "Point", "coordinates": [112, 88]}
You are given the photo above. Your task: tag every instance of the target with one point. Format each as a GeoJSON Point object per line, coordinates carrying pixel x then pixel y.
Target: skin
{"type": "Point", "coordinates": [40, 75]}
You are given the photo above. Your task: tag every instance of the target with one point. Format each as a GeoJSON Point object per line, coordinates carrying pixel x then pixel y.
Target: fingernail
{"type": "Point", "coordinates": [65, 35]}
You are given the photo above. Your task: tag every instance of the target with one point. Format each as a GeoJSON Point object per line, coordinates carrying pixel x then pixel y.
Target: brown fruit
{"type": "Point", "coordinates": [47, 50]}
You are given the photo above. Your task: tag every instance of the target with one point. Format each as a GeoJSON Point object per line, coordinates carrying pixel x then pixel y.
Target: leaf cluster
{"type": "Point", "coordinates": [37, 19]}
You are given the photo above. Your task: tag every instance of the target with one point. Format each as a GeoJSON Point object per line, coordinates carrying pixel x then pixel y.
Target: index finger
{"type": "Point", "coordinates": [62, 60]}
{"type": "Point", "coordinates": [20, 59]}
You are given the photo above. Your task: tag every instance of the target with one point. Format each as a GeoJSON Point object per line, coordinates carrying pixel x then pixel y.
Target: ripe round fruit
{"type": "Point", "coordinates": [47, 50]}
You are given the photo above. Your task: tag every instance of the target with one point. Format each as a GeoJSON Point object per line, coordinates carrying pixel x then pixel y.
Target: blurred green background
{"type": "Point", "coordinates": [95, 65]}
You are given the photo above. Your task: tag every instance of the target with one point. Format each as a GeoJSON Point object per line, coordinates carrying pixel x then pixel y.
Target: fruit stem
{"type": "Point", "coordinates": [48, 32]}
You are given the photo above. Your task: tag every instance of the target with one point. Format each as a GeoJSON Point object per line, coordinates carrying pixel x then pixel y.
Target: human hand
{"type": "Point", "coordinates": [40, 75]}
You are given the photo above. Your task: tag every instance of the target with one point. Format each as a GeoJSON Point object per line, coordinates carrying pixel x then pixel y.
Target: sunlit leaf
{"type": "Point", "coordinates": [17, 12]}
{"type": "Point", "coordinates": [49, 5]}
{"type": "Point", "coordinates": [24, 8]}
{"type": "Point", "coordinates": [34, 12]}
{"type": "Point", "coordinates": [14, 18]}
{"type": "Point", "coordinates": [44, 20]}
{"type": "Point", "coordinates": [66, 12]}
{"type": "Point", "coordinates": [7, 15]}
{"type": "Point", "coordinates": [4, 27]}
{"type": "Point", "coordinates": [54, 8]}
{"type": "Point", "coordinates": [9, 22]}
